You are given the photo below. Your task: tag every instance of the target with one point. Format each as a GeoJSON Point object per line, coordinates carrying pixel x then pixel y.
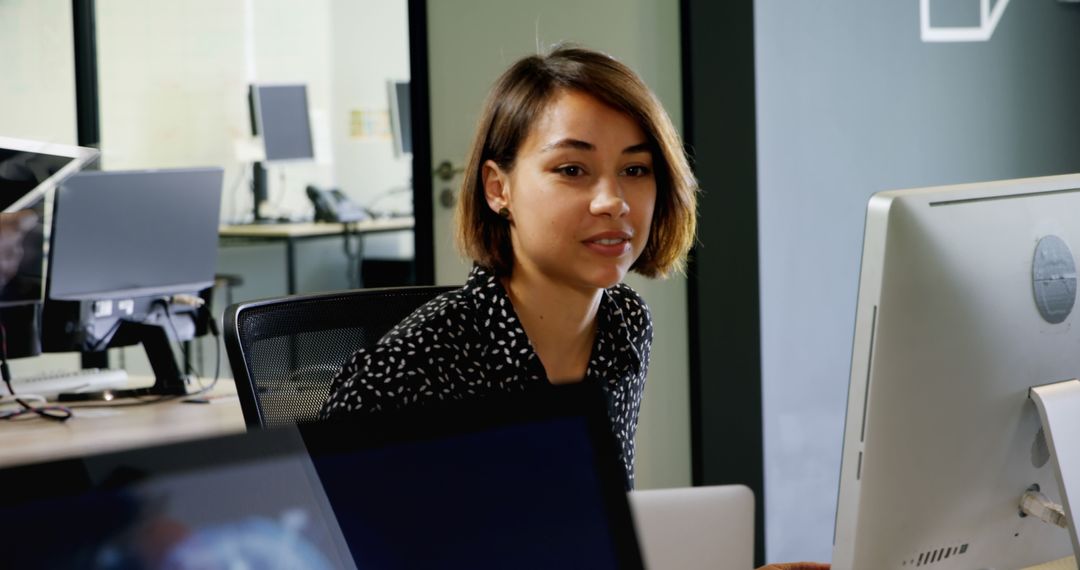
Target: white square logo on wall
{"type": "Point", "coordinates": [989, 16]}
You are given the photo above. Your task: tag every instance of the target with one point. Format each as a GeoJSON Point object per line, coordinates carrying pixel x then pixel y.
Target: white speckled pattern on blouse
{"type": "Point", "coordinates": [469, 342]}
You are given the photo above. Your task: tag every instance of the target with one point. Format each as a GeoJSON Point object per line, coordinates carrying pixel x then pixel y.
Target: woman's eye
{"type": "Point", "coordinates": [636, 171]}
{"type": "Point", "coordinates": [571, 170]}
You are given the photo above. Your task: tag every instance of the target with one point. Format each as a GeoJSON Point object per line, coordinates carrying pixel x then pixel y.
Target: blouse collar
{"type": "Point", "coordinates": [613, 339]}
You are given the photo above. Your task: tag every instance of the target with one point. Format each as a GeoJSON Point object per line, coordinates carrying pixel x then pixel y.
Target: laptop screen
{"type": "Point", "coordinates": [28, 170]}
{"type": "Point", "coordinates": [492, 486]}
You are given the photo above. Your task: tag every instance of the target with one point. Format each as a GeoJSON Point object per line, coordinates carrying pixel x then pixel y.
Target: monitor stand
{"type": "Point", "coordinates": [168, 380]}
{"type": "Point", "coordinates": [1059, 410]}
{"type": "Point", "coordinates": [259, 192]}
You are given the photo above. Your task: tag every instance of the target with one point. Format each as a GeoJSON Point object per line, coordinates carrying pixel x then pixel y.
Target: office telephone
{"type": "Point", "coordinates": [333, 206]}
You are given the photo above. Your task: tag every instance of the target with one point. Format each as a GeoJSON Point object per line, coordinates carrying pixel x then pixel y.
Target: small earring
{"type": "Point", "coordinates": [504, 213]}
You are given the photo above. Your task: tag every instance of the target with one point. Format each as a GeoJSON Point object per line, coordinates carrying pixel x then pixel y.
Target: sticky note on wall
{"type": "Point", "coordinates": [369, 124]}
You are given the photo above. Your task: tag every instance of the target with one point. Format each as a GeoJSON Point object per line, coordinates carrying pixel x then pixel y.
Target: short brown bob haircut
{"type": "Point", "coordinates": [518, 99]}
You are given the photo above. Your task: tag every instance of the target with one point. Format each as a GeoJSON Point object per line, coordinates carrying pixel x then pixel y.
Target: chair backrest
{"type": "Point", "coordinates": [285, 352]}
{"type": "Point", "coordinates": [696, 527]}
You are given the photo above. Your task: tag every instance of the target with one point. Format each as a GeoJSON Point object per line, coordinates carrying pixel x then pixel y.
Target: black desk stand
{"type": "Point", "coordinates": [168, 380]}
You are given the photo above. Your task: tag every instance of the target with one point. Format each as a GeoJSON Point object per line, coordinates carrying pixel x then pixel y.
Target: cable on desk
{"type": "Point", "coordinates": [51, 412]}
{"type": "Point", "coordinates": [211, 324]}
{"type": "Point", "coordinates": [26, 411]}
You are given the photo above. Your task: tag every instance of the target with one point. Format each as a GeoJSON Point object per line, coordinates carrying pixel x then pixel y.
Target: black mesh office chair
{"type": "Point", "coordinates": [285, 352]}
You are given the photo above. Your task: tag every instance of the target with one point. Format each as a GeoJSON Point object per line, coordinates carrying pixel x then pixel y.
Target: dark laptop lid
{"type": "Point", "coordinates": [526, 482]}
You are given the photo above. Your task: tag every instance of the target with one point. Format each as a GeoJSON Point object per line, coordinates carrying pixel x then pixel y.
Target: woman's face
{"type": "Point", "coordinates": [581, 193]}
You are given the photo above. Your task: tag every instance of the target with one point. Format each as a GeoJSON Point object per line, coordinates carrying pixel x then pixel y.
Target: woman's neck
{"type": "Point", "coordinates": [560, 321]}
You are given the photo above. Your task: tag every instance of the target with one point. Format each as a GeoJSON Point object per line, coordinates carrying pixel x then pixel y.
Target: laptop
{"type": "Point", "coordinates": [29, 169]}
{"type": "Point", "coordinates": [693, 528]}
{"type": "Point", "coordinates": [530, 481]}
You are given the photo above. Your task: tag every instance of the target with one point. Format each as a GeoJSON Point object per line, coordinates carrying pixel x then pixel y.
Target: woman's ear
{"type": "Point", "coordinates": [496, 186]}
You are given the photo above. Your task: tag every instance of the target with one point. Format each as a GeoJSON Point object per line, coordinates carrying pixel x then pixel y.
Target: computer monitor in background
{"type": "Point", "coordinates": [279, 114]}
{"type": "Point", "coordinates": [401, 117]}
{"type": "Point", "coordinates": [28, 170]}
{"type": "Point", "coordinates": [129, 254]}
{"type": "Point", "coordinates": [966, 301]}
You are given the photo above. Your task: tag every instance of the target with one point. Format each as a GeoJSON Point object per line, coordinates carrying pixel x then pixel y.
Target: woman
{"type": "Point", "coordinates": [575, 177]}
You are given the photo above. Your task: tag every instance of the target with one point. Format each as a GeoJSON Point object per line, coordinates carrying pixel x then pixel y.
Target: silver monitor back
{"type": "Point", "coordinates": [940, 439]}
{"type": "Point", "coordinates": [124, 234]}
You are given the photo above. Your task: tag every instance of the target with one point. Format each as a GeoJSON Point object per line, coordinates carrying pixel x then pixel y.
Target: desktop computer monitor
{"type": "Point", "coordinates": [401, 117]}
{"type": "Point", "coordinates": [966, 301]}
{"type": "Point", "coordinates": [129, 254]}
{"type": "Point", "coordinates": [279, 114]}
{"type": "Point", "coordinates": [28, 170]}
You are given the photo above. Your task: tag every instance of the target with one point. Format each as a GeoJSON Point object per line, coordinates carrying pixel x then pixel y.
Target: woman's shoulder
{"type": "Point", "coordinates": [452, 313]}
{"type": "Point", "coordinates": [433, 329]}
{"type": "Point", "coordinates": [447, 315]}
{"type": "Point", "coordinates": [629, 302]}
{"type": "Point", "coordinates": [630, 310]}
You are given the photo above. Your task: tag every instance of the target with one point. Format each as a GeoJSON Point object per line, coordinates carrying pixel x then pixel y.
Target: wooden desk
{"type": "Point", "coordinates": [290, 233]}
{"type": "Point", "coordinates": [100, 429]}
{"type": "Point", "coordinates": [1062, 564]}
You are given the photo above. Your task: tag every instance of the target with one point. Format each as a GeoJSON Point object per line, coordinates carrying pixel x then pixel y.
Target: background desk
{"type": "Point", "coordinates": [100, 429]}
{"type": "Point", "coordinates": [292, 233]}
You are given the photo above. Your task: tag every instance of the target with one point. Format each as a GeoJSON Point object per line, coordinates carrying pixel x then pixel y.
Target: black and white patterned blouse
{"type": "Point", "coordinates": [469, 342]}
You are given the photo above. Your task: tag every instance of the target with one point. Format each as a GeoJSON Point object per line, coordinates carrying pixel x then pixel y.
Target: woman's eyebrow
{"type": "Point", "coordinates": [568, 143]}
{"type": "Point", "coordinates": [578, 144]}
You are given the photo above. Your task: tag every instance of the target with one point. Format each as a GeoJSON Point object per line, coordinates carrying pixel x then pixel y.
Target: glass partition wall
{"type": "Point", "coordinates": [172, 91]}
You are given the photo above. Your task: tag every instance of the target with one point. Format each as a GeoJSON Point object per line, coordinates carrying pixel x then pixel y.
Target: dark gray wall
{"type": "Point", "coordinates": [850, 101]}
{"type": "Point", "coordinates": [725, 363]}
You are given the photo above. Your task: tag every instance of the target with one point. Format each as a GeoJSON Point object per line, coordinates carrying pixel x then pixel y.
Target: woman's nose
{"type": "Point", "coordinates": [608, 200]}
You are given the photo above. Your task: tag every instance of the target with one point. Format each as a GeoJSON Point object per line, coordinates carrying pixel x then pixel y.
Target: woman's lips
{"type": "Point", "coordinates": [609, 244]}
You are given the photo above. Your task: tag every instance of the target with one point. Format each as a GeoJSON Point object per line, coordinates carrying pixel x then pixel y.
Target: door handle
{"type": "Point", "coordinates": [446, 171]}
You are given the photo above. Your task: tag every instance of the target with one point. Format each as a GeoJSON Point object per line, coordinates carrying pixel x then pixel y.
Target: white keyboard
{"type": "Point", "coordinates": [52, 383]}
